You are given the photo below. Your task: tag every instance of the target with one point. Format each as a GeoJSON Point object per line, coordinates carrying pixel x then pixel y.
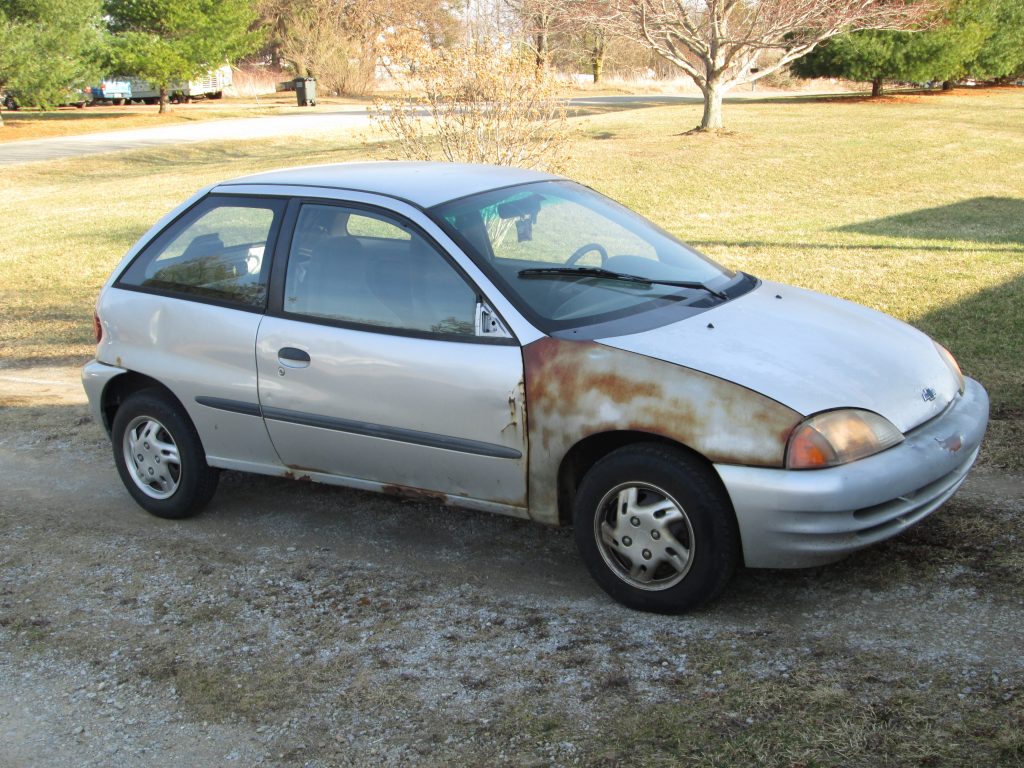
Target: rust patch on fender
{"type": "Point", "coordinates": [575, 389]}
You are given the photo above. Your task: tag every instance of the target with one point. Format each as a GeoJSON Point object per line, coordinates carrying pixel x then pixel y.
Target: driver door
{"type": "Point", "coordinates": [372, 368]}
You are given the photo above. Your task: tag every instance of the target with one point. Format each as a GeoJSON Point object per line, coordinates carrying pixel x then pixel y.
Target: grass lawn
{"type": "Point", "coordinates": [913, 205]}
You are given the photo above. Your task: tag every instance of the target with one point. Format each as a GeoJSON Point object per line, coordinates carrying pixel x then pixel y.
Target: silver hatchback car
{"type": "Point", "coordinates": [510, 341]}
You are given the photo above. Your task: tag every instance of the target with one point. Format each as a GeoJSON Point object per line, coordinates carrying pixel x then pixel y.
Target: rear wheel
{"type": "Point", "coordinates": [160, 457]}
{"type": "Point", "coordinates": [656, 529]}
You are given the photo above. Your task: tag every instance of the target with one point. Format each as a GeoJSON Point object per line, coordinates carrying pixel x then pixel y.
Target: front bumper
{"type": "Point", "coordinates": [796, 519]}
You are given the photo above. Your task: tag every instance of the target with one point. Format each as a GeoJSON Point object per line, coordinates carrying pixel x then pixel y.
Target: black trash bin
{"type": "Point", "coordinates": [305, 91]}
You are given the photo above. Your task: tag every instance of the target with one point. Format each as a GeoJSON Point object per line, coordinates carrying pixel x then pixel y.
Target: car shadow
{"type": "Point", "coordinates": [979, 220]}
{"type": "Point", "coordinates": [996, 222]}
{"type": "Point", "coordinates": [985, 332]}
{"type": "Point", "coordinates": [987, 324]}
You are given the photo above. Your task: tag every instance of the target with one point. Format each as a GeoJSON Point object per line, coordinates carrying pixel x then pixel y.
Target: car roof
{"type": "Point", "coordinates": [424, 184]}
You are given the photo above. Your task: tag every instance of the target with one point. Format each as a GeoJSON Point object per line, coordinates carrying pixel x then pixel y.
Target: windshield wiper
{"type": "Point", "coordinates": [620, 276]}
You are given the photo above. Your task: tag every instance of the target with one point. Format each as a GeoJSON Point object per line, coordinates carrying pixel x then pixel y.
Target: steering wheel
{"type": "Point", "coordinates": [585, 249]}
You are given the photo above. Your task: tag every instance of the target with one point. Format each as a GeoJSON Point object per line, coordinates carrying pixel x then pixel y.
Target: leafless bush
{"type": "Point", "coordinates": [479, 104]}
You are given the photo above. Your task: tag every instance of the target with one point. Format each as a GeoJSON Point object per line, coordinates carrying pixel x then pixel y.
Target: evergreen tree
{"type": "Point", "coordinates": [1002, 55]}
{"type": "Point", "coordinates": [167, 41]}
{"type": "Point", "coordinates": [972, 37]}
{"type": "Point", "coordinates": [48, 48]}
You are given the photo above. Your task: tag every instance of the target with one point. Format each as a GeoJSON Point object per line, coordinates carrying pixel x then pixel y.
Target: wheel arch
{"type": "Point", "coordinates": [121, 387]}
{"type": "Point", "coordinates": [591, 449]}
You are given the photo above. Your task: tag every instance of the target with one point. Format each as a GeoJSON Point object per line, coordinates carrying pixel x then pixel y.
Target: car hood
{"type": "Point", "coordinates": [810, 352]}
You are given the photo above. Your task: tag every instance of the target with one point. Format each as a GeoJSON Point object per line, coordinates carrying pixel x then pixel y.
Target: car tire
{"type": "Point", "coordinates": [160, 457]}
{"type": "Point", "coordinates": [656, 529]}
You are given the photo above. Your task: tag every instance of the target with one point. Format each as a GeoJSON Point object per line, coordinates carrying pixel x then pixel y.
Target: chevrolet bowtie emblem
{"type": "Point", "coordinates": [928, 394]}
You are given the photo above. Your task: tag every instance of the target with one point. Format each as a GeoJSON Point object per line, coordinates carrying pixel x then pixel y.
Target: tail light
{"type": "Point", "coordinates": [97, 327]}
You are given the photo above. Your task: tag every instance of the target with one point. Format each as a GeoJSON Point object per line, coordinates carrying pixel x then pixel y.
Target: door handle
{"type": "Point", "coordinates": [293, 357]}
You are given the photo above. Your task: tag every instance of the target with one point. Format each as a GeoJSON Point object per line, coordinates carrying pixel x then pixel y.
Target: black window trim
{"type": "Point", "coordinates": [270, 249]}
{"type": "Point", "coordinates": [279, 271]}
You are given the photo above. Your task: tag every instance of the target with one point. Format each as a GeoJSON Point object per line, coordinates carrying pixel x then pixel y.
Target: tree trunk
{"type": "Point", "coordinates": [597, 56]}
{"type": "Point", "coordinates": [541, 38]}
{"type": "Point", "coordinates": [597, 66]}
{"type": "Point", "coordinates": [947, 85]}
{"type": "Point", "coordinates": [876, 87]}
{"type": "Point", "coordinates": [1, 117]}
{"type": "Point", "coordinates": [712, 119]}
{"type": "Point", "coordinates": [164, 106]}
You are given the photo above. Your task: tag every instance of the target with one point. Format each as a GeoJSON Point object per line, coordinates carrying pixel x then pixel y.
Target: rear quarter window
{"type": "Point", "coordinates": [219, 250]}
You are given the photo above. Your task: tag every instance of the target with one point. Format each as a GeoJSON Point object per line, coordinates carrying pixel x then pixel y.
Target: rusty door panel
{"type": "Point", "coordinates": [575, 389]}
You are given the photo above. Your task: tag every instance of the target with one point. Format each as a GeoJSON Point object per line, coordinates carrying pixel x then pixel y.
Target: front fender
{"type": "Point", "coordinates": [575, 389]}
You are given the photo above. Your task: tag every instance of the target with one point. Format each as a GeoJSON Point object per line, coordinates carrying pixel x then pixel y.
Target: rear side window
{"type": "Point", "coordinates": [219, 250]}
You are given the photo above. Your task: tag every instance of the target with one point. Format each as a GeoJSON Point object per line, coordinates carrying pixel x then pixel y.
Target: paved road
{"type": "Point", "coordinates": [322, 120]}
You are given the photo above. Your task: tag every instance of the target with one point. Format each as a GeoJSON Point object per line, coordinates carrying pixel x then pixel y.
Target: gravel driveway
{"type": "Point", "coordinates": [295, 624]}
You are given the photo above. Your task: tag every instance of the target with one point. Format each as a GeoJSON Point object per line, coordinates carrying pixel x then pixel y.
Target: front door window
{"type": "Point", "coordinates": [355, 267]}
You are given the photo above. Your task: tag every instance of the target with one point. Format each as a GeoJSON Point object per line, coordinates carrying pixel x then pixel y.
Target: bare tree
{"type": "Point", "coordinates": [340, 43]}
{"type": "Point", "coordinates": [539, 19]}
{"type": "Point", "coordinates": [724, 43]}
{"type": "Point", "coordinates": [591, 25]}
{"type": "Point", "coordinates": [486, 21]}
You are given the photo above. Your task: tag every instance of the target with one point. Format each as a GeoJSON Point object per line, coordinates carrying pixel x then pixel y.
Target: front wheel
{"type": "Point", "coordinates": [160, 457]}
{"type": "Point", "coordinates": [656, 529]}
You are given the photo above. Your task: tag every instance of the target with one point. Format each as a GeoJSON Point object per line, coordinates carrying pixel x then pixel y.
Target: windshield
{"type": "Point", "coordinates": [568, 256]}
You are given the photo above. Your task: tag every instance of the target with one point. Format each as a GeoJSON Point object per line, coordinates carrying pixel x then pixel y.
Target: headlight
{"type": "Point", "coordinates": [951, 364]}
{"type": "Point", "coordinates": [839, 437]}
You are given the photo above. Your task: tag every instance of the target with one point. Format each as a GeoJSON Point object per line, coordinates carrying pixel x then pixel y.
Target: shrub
{"type": "Point", "coordinates": [477, 104]}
